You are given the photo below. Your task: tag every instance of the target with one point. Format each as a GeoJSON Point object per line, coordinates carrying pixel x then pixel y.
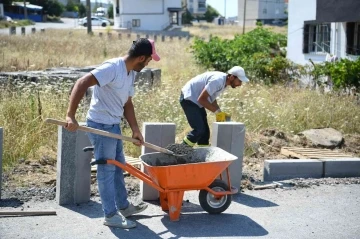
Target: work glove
{"type": "Point", "coordinates": [222, 117]}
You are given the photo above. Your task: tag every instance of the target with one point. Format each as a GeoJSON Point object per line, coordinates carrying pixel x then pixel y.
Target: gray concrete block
{"type": "Point", "coordinates": [1, 155]}
{"type": "Point", "coordinates": [73, 177]}
{"type": "Point", "coordinates": [160, 134]}
{"type": "Point", "coordinates": [156, 77]}
{"type": "Point", "coordinates": [292, 168]}
{"type": "Point", "coordinates": [143, 79]}
{"type": "Point", "coordinates": [82, 184]}
{"type": "Point", "coordinates": [230, 136]}
{"type": "Point", "coordinates": [341, 167]}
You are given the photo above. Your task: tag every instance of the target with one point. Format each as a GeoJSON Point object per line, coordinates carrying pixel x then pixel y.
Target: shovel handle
{"type": "Point", "coordinates": [111, 135]}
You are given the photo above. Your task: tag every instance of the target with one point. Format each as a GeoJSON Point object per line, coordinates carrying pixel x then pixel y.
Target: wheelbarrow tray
{"type": "Point", "coordinates": [189, 176]}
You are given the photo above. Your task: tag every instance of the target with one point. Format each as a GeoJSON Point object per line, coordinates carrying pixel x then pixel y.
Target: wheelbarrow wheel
{"type": "Point", "coordinates": [210, 203]}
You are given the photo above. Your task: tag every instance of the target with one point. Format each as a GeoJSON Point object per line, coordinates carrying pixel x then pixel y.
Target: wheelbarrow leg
{"type": "Point", "coordinates": [174, 204]}
{"type": "Point", "coordinates": [164, 201]}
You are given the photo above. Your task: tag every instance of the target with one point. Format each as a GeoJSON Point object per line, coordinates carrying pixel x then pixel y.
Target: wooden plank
{"type": "Point", "coordinates": [25, 213]}
{"type": "Point", "coordinates": [315, 153]}
{"type": "Point", "coordinates": [312, 153]}
{"type": "Point", "coordinates": [289, 153]}
{"type": "Point", "coordinates": [319, 152]}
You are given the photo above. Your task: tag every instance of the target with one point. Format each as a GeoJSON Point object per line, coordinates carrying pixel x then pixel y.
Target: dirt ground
{"type": "Point", "coordinates": [36, 178]}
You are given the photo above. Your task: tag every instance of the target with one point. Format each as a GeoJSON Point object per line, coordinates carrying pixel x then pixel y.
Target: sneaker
{"type": "Point", "coordinates": [119, 220]}
{"type": "Point", "coordinates": [131, 209]}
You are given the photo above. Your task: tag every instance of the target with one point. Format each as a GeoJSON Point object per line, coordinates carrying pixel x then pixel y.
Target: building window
{"type": "Point", "coordinates": [265, 11]}
{"type": "Point", "coordinates": [136, 23]}
{"type": "Point", "coordinates": [201, 5]}
{"type": "Point", "coordinates": [316, 38]}
{"type": "Point", "coordinates": [353, 38]}
{"type": "Point", "coordinates": [174, 19]}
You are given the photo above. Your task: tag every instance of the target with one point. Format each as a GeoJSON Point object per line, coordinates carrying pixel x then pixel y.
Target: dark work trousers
{"type": "Point", "coordinates": [197, 119]}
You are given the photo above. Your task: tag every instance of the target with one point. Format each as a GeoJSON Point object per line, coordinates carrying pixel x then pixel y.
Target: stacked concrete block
{"type": "Point", "coordinates": [292, 168]}
{"type": "Point", "coordinates": [341, 167]}
{"type": "Point", "coordinates": [1, 155]}
{"type": "Point", "coordinates": [12, 30]}
{"type": "Point", "coordinates": [156, 77]}
{"type": "Point", "coordinates": [230, 136]}
{"type": "Point", "coordinates": [147, 78]}
{"type": "Point", "coordinates": [143, 78]}
{"type": "Point", "coordinates": [73, 167]}
{"type": "Point", "coordinates": [160, 134]}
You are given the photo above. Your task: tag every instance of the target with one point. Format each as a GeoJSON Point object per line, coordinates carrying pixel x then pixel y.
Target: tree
{"type": "Point", "coordinates": [71, 6]}
{"type": "Point", "coordinates": [6, 2]}
{"type": "Point", "coordinates": [82, 10]}
{"type": "Point", "coordinates": [50, 7]}
{"type": "Point", "coordinates": [111, 11]}
{"type": "Point", "coordinates": [187, 17]}
{"type": "Point", "coordinates": [210, 13]}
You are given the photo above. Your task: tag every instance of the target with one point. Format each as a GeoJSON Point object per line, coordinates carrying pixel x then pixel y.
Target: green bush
{"type": "Point", "coordinates": [258, 52]}
{"type": "Point", "coordinates": [343, 73]}
{"type": "Point", "coordinates": [50, 7]}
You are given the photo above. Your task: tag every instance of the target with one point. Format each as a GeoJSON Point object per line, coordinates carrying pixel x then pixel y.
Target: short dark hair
{"type": "Point", "coordinates": [140, 47]}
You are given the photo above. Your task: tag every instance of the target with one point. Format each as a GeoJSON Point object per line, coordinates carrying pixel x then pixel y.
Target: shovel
{"type": "Point", "coordinates": [115, 136]}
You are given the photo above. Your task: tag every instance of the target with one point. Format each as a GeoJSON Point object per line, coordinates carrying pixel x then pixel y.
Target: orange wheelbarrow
{"type": "Point", "coordinates": [173, 180]}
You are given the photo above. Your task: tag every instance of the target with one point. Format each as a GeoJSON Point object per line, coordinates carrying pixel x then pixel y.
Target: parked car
{"type": "Point", "coordinates": [6, 18]}
{"type": "Point", "coordinates": [95, 21]}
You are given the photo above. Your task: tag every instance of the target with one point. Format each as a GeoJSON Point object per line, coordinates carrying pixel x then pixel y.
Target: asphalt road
{"type": "Point", "coordinates": [68, 23]}
{"type": "Point", "coordinates": [317, 212]}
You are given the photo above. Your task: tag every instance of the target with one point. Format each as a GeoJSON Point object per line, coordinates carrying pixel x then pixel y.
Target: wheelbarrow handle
{"type": "Point", "coordinates": [111, 135]}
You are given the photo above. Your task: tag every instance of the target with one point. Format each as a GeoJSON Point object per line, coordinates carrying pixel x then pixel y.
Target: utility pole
{"type": "Point", "coordinates": [225, 9]}
{"type": "Point", "coordinates": [88, 14]}
{"type": "Point", "coordinates": [244, 17]}
{"type": "Point", "coordinates": [25, 10]}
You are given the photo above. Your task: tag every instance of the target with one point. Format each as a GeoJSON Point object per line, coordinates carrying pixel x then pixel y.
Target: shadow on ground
{"type": "Point", "coordinates": [207, 225]}
{"type": "Point", "coordinates": [11, 202]}
{"type": "Point", "coordinates": [252, 201]}
{"type": "Point", "coordinates": [91, 209]}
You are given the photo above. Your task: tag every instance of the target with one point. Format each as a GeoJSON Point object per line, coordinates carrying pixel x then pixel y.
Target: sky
{"type": "Point", "coordinates": [231, 7]}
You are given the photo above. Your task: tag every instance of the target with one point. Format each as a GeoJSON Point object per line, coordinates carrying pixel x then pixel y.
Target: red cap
{"type": "Point", "coordinates": [154, 55]}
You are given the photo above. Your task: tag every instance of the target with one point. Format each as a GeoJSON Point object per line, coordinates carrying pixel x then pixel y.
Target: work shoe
{"type": "Point", "coordinates": [131, 209]}
{"type": "Point", "coordinates": [120, 221]}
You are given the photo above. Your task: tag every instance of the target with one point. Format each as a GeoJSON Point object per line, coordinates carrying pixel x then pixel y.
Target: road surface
{"type": "Point", "coordinates": [330, 212]}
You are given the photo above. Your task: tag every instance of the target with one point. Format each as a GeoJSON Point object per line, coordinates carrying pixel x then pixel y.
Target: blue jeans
{"type": "Point", "coordinates": [110, 178]}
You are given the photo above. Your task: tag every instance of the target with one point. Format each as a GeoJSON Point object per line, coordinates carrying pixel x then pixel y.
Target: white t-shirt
{"type": "Point", "coordinates": [212, 81]}
{"type": "Point", "coordinates": [114, 89]}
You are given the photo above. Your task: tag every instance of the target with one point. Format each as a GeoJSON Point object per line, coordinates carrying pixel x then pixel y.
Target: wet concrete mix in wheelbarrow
{"type": "Point", "coordinates": [181, 149]}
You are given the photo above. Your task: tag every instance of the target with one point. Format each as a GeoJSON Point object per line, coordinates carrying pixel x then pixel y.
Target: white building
{"type": "Point", "coordinates": [265, 11]}
{"type": "Point", "coordinates": [147, 15]}
{"type": "Point", "coordinates": [196, 7]}
{"type": "Point", "coordinates": [317, 28]}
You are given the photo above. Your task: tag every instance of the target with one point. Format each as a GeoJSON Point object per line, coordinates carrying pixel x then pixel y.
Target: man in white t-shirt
{"type": "Point", "coordinates": [200, 93]}
{"type": "Point", "coordinates": [113, 83]}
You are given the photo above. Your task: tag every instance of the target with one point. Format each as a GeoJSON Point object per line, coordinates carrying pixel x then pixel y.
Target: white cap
{"type": "Point", "coordinates": [239, 73]}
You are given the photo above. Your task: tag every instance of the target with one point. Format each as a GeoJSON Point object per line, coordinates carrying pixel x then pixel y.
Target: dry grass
{"type": "Point", "coordinates": [258, 106]}
{"type": "Point", "coordinates": [225, 31]}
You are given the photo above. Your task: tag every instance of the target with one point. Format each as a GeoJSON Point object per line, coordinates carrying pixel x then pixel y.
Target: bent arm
{"type": "Point", "coordinates": [203, 100]}
{"type": "Point", "coordinates": [78, 92]}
